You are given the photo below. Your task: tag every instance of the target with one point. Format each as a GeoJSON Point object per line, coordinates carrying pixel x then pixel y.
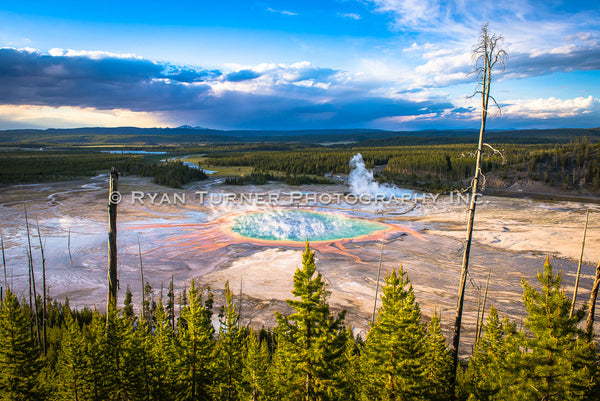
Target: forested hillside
{"type": "Point", "coordinates": [170, 350]}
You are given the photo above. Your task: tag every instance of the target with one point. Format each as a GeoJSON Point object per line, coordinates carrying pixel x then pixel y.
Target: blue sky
{"type": "Point", "coordinates": [389, 64]}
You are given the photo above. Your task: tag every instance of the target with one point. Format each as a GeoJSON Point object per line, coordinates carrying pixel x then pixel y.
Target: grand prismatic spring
{"type": "Point", "coordinates": [297, 225]}
{"type": "Point", "coordinates": [327, 231]}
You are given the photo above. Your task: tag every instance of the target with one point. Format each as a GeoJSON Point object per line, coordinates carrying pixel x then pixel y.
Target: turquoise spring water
{"type": "Point", "coordinates": [298, 225]}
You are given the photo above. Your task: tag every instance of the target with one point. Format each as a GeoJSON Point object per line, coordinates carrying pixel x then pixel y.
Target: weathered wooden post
{"type": "Point", "coordinates": [113, 200]}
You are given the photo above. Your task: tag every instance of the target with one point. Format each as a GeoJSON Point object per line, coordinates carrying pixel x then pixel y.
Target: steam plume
{"type": "Point", "coordinates": [362, 183]}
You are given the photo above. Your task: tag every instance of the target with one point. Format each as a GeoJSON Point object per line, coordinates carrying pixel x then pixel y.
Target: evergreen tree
{"type": "Point", "coordinates": [195, 370]}
{"type": "Point", "coordinates": [128, 304]}
{"type": "Point", "coordinates": [148, 305]}
{"type": "Point", "coordinates": [19, 355]}
{"type": "Point", "coordinates": [313, 338]}
{"type": "Point", "coordinates": [135, 359]}
{"type": "Point", "coordinates": [438, 363]}
{"type": "Point", "coordinates": [255, 382]}
{"type": "Point", "coordinates": [349, 375]}
{"type": "Point", "coordinates": [183, 301]}
{"type": "Point", "coordinates": [228, 355]}
{"type": "Point", "coordinates": [281, 370]}
{"type": "Point", "coordinates": [164, 356]}
{"type": "Point", "coordinates": [99, 378]}
{"type": "Point", "coordinates": [171, 304]}
{"type": "Point", "coordinates": [72, 364]}
{"type": "Point", "coordinates": [394, 353]}
{"type": "Point", "coordinates": [493, 371]}
{"type": "Point", "coordinates": [560, 364]}
{"type": "Point", "coordinates": [117, 334]}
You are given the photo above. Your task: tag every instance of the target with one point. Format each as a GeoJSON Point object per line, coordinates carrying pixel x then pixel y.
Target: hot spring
{"type": "Point", "coordinates": [298, 225]}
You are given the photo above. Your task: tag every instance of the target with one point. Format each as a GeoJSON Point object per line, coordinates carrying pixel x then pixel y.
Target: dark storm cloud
{"type": "Point", "coordinates": [365, 109]}
{"type": "Point", "coordinates": [189, 75]}
{"type": "Point", "coordinates": [526, 65]}
{"type": "Point", "coordinates": [105, 83]}
{"type": "Point", "coordinates": [276, 112]}
{"type": "Point", "coordinates": [296, 96]}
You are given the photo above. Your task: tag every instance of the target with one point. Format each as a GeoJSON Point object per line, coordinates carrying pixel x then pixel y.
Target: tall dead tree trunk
{"type": "Point", "coordinates": [378, 278]}
{"type": "Point", "coordinates": [576, 287]}
{"type": "Point", "coordinates": [487, 55]}
{"type": "Point", "coordinates": [44, 306]}
{"type": "Point", "coordinates": [69, 247]}
{"type": "Point", "coordinates": [4, 262]}
{"type": "Point", "coordinates": [589, 326]}
{"type": "Point", "coordinates": [113, 200]}
{"type": "Point", "coordinates": [172, 302]}
{"type": "Point", "coordinates": [487, 283]}
{"type": "Point", "coordinates": [240, 308]}
{"type": "Point", "coordinates": [32, 288]}
{"type": "Point", "coordinates": [142, 278]}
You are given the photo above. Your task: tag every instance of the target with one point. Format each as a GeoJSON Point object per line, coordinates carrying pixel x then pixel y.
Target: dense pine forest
{"type": "Point", "coordinates": [572, 166]}
{"type": "Point", "coordinates": [37, 166]}
{"type": "Point", "coordinates": [569, 166]}
{"type": "Point", "coordinates": [171, 350]}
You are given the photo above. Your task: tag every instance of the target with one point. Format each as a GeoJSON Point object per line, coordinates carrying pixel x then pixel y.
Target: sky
{"type": "Point", "coordinates": [274, 64]}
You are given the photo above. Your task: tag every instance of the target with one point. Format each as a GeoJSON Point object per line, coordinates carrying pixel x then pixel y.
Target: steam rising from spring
{"type": "Point", "coordinates": [362, 182]}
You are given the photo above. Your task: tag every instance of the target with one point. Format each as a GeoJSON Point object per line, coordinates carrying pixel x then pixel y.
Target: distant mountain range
{"type": "Point", "coordinates": [196, 135]}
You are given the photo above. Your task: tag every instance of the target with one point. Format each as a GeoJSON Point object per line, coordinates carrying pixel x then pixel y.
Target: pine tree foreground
{"type": "Point", "coordinates": [310, 355]}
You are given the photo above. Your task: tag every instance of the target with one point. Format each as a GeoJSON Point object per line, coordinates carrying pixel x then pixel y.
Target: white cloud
{"type": "Point", "coordinates": [531, 30]}
{"type": "Point", "coordinates": [552, 107]}
{"type": "Point", "coordinates": [283, 12]}
{"type": "Point", "coordinates": [409, 12]}
{"type": "Point", "coordinates": [56, 52]}
{"type": "Point", "coordinates": [91, 54]}
{"type": "Point", "coordinates": [353, 16]}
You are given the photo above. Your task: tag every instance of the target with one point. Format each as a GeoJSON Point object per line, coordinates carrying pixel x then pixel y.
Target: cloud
{"type": "Point", "coordinates": [444, 66]}
{"type": "Point", "coordinates": [541, 38]}
{"type": "Point", "coordinates": [189, 74]}
{"type": "Point", "coordinates": [353, 16]}
{"type": "Point", "coordinates": [41, 90]}
{"type": "Point", "coordinates": [553, 60]}
{"type": "Point", "coordinates": [94, 55]}
{"type": "Point", "coordinates": [242, 75]}
{"type": "Point", "coordinates": [283, 12]}
{"type": "Point", "coordinates": [69, 90]}
{"type": "Point", "coordinates": [105, 83]}
{"type": "Point", "coordinates": [409, 12]}
{"type": "Point", "coordinates": [546, 108]}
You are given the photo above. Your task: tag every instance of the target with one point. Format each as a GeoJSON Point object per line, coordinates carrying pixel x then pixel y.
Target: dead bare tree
{"type": "Point", "coordinates": [33, 306]}
{"type": "Point", "coordinates": [378, 278]}
{"type": "Point", "coordinates": [44, 305]}
{"type": "Point", "coordinates": [589, 326]}
{"type": "Point", "coordinates": [240, 308]}
{"type": "Point", "coordinates": [113, 200]}
{"type": "Point", "coordinates": [487, 55]}
{"type": "Point", "coordinates": [4, 262]}
{"type": "Point", "coordinates": [142, 274]}
{"type": "Point", "coordinates": [576, 287]}
{"type": "Point", "coordinates": [69, 247]}
{"type": "Point", "coordinates": [487, 283]}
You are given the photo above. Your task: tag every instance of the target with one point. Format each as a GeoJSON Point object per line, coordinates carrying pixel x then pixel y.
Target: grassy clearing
{"type": "Point", "coordinates": [221, 171]}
